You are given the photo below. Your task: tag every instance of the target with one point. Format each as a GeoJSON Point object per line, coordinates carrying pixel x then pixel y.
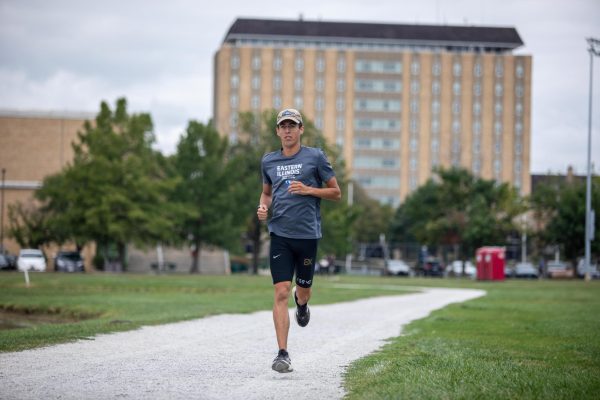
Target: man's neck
{"type": "Point", "coordinates": [290, 151]}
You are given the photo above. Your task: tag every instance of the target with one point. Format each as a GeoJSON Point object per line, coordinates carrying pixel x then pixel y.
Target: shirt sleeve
{"type": "Point", "coordinates": [265, 176]}
{"type": "Point", "coordinates": [324, 167]}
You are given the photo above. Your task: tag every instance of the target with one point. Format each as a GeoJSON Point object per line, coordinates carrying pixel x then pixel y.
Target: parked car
{"type": "Point", "coordinates": [558, 269]}
{"type": "Point", "coordinates": [68, 261]}
{"type": "Point", "coordinates": [4, 263]}
{"type": "Point", "coordinates": [431, 267]}
{"type": "Point", "coordinates": [31, 260]}
{"type": "Point", "coordinates": [526, 270]}
{"type": "Point", "coordinates": [456, 268]}
{"type": "Point", "coordinates": [581, 270]}
{"type": "Point", "coordinates": [397, 267]}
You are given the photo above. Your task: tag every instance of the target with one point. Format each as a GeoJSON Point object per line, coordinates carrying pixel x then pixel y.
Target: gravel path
{"type": "Point", "coordinates": [220, 357]}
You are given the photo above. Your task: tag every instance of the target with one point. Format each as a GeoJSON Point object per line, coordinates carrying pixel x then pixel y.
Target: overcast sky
{"type": "Point", "coordinates": [68, 55]}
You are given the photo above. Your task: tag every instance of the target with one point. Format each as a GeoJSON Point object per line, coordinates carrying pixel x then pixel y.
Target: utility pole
{"type": "Point", "coordinates": [594, 50]}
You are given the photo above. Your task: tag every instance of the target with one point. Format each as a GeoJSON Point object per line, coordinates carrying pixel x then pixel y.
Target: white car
{"type": "Point", "coordinates": [397, 267]}
{"type": "Point", "coordinates": [31, 260]}
{"type": "Point", "coordinates": [526, 270]}
{"type": "Point", "coordinates": [457, 268]}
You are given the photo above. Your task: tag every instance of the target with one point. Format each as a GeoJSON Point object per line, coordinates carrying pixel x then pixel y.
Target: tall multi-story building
{"type": "Point", "coordinates": [398, 100]}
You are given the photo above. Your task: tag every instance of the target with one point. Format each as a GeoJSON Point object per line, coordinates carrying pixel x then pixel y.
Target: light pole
{"type": "Point", "coordinates": [594, 50]}
{"type": "Point", "coordinates": [2, 211]}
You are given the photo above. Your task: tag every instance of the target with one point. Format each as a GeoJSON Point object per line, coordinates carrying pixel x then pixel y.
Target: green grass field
{"type": "Point", "coordinates": [525, 339]}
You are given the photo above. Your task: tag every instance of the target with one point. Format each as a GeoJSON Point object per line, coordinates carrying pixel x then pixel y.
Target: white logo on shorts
{"type": "Point", "coordinates": [276, 256]}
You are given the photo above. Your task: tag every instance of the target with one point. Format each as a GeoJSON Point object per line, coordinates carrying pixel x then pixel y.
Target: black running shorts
{"type": "Point", "coordinates": [289, 255]}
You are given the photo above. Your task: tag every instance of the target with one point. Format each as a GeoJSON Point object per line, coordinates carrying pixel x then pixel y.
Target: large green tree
{"type": "Point", "coordinates": [208, 188]}
{"type": "Point", "coordinates": [115, 191]}
{"type": "Point", "coordinates": [454, 208]}
{"type": "Point", "coordinates": [559, 207]}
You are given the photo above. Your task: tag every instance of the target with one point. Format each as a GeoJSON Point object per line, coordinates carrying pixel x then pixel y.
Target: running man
{"type": "Point", "coordinates": [293, 180]}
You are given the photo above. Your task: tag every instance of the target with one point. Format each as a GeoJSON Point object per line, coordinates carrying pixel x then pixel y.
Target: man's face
{"type": "Point", "coordinates": [289, 132]}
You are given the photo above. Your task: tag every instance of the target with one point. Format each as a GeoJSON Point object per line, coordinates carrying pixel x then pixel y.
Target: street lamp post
{"type": "Point", "coordinates": [594, 50]}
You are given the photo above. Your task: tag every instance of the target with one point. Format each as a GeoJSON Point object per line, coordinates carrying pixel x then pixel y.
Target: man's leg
{"type": "Point", "coordinates": [281, 316]}
{"type": "Point", "coordinates": [303, 295]}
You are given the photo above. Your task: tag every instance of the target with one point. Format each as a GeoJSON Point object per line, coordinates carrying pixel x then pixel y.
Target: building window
{"type": "Point", "coordinates": [255, 102]}
{"type": "Point", "coordinates": [518, 128]}
{"type": "Point", "coordinates": [436, 69]}
{"type": "Point", "coordinates": [477, 108]}
{"type": "Point", "coordinates": [319, 122]}
{"type": "Point", "coordinates": [234, 101]}
{"type": "Point", "coordinates": [233, 121]}
{"type": "Point", "coordinates": [340, 85]}
{"type": "Point", "coordinates": [235, 61]}
{"type": "Point", "coordinates": [435, 107]}
{"type": "Point", "coordinates": [298, 102]}
{"type": "Point", "coordinates": [277, 63]}
{"type": "Point", "coordinates": [415, 67]}
{"type": "Point", "coordinates": [456, 69]}
{"type": "Point", "coordinates": [235, 81]}
{"type": "Point", "coordinates": [339, 104]}
{"type": "Point", "coordinates": [319, 103]}
{"type": "Point", "coordinates": [456, 107]}
{"type": "Point", "coordinates": [456, 88]}
{"type": "Point", "coordinates": [519, 70]}
{"type": "Point", "coordinates": [498, 89]}
{"type": "Point", "coordinates": [499, 70]}
{"type": "Point", "coordinates": [436, 88]}
{"type": "Point", "coordinates": [339, 123]}
{"type": "Point", "coordinates": [256, 62]}
{"type": "Point", "coordinates": [498, 108]}
{"type": "Point", "coordinates": [414, 106]}
{"type": "Point", "coordinates": [277, 82]}
{"type": "Point", "coordinates": [456, 126]}
{"type": "Point", "coordinates": [498, 128]}
{"type": "Point", "coordinates": [256, 82]}
{"type": "Point", "coordinates": [414, 125]}
{"type": "Point", "coordinates": [477, 89]}
{"type": "Point", "coordinates": [299, 63]}
{"type": "Point", "coordinates": [477, 70]}
{"type": "Point", "coordinates": [414, 87]}
{"type": "Point", "coordinates": [519, 109]}
{"type": "Point", "coordinates": [497, 148]}
{"type": "Point", "coordinates": [435, 126]}
{"type": "Point", "coordinates": [477, 127]}
{"type": "Point", "coordinates": [298, 83]}
{"type": "Point", "coordinates": [518, 148]}
{"type": "Point", "coordinates": [341, 64]}
{"type": "Point", "coordinates": [319, 84]}
{"type": "Point", "coordinates": [320, 65]}
{"type": "Point", "coordinates": [277, 102]}
{"type": "Point", "coordinates": [519, 90]}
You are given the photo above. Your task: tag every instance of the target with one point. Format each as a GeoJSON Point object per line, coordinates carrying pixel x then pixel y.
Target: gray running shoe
{"type": "Point", "coordinates": [302, 312]}
{"type": "Point", "coordinates": [282, 362]}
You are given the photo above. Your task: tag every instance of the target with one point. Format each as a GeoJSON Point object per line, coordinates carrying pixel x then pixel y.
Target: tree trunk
{"type": "Point", "coordinates": [195, 258]}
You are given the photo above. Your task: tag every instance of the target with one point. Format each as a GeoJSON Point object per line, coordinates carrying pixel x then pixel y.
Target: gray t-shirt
{"type": "Point", "coordinates": [294, 215]}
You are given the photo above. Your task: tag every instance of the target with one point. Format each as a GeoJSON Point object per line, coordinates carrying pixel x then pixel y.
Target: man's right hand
{"type": "Point", "coordinates": [262, 212]}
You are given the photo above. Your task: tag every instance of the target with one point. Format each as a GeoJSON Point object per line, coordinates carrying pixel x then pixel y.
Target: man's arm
{"type": "Point", "coordinates": [266, 197]}
{"type": "Point", "coordinates": [331, 192]}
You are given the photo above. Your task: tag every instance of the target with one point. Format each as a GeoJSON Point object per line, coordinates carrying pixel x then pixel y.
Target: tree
{"type": "Point", "coordinates": [559, 207]}
{"type": "Point", "coordinates": [115, 191]}
{"type": "Point", "coordinates": [28, 225]}
{"type": "Point", "coordinates": [455, 208]}
{"type": "Point", "coordinates": [208, 188]}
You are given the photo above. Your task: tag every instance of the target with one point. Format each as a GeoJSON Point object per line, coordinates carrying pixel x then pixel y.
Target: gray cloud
{"type": "Point", "coordinates": [70, 55]}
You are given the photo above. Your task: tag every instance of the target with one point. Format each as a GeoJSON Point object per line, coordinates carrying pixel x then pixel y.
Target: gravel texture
{"type": "Point", "coordinates": [220, 357]}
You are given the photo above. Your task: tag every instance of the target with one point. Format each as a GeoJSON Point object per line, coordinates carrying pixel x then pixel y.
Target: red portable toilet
{"type": "Point", "coordinates": [490, 263]}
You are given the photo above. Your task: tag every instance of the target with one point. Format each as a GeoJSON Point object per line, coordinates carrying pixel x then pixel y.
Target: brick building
{"type": "Point", "coordinates": [398, 100]}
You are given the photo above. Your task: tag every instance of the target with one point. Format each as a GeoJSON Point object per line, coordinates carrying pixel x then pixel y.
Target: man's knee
{"type": "Point", "coordinates": [282, 292]}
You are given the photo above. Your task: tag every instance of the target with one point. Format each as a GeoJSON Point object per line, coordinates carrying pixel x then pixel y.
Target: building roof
{"type": "Point", "coordinates": [428, 35]}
